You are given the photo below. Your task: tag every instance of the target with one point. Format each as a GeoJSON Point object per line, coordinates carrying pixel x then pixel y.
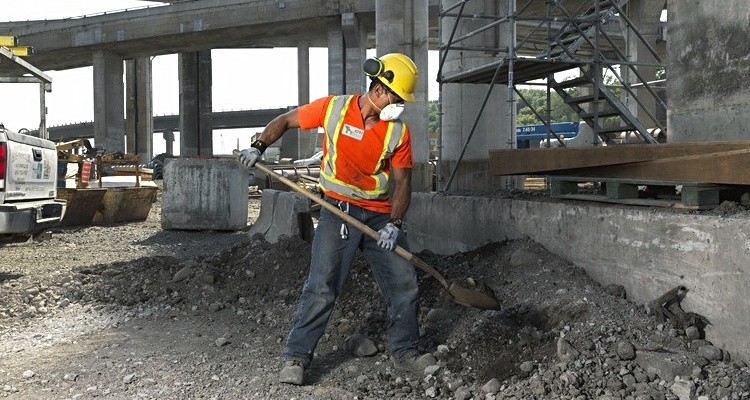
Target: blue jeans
{"type": "Point", "coordinates": [331, 261]}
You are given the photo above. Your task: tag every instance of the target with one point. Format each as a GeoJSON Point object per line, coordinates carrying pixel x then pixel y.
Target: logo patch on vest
{"type": "Point", "coordinates": [353, 132]}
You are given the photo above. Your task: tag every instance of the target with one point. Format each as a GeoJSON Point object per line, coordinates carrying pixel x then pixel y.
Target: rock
{"type": "Point", "coordinates": [569, 378]}
{"type": "Point", "coordinates": [684, 390]}
{"type": "Point", "coordinates": [28, 374]}
{"type": "Point", "coordinates": [360, 345]}
{"type": "Point", "coordinates": [455, 384]}
{"type": "Point", "coordinates": [70, 377]}
{"type": "Point", "coordinates": [625, 350]}
{"type": "Point", "coordinates": [492, 386]}
{"type": "Point", "coordinates": [431, 369]}
{"type": "Point", "coordinates": [692, 333]}
{"type": "Point", "coordinates": [537, 387]}
{"type": "Point", "coordinates": [565, 351]}
{"type": "Point", "coordinates": [710, 352]}
{"type": "Point", "coordinates": [463, 393]}
{"type": "Point", "coordinates": [615, 290]}
{"type": "Point", "coordinates": [667, 365]}
{"type": "Point", "coordinates": [128, 379]}
{"type": "Point", "coordinates": [431, 392]}
{"type": "Point", "coordinates": [527, 366]}
{"type": "Point", "coordinates": [629, 380]}
{"type": "Point", "coordinates": [184, 273]}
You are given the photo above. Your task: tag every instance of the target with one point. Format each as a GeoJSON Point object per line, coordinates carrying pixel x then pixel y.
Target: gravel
{"type": "Point", "coordinates": [130, 311]}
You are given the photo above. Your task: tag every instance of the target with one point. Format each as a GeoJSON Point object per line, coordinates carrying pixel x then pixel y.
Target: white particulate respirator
{"type": "Point", "coordinates": [391, 111]}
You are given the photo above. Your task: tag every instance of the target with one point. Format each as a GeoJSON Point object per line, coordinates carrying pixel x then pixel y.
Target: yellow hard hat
{"type": "Point", "coordinates": [396, 71]}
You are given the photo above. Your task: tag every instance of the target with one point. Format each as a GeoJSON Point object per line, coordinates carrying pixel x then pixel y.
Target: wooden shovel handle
{"type": "Point", "coordinates": [405, 254]}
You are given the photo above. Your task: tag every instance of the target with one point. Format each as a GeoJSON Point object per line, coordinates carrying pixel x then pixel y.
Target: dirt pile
{"type": "Point", "coordinates": [131, 311]}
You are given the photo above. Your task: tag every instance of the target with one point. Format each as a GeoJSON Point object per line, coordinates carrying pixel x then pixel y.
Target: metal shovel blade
{"type": "Point", "coordinates": [467, 292]}
{"type": "Point", "coordinates": [473, 298]}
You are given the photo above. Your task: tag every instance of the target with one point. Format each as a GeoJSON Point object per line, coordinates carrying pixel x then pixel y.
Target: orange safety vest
{"type": "Point", "coordinates": [356, 162]}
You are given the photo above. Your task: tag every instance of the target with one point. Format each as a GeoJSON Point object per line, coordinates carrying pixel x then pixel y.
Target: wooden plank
{"type": "Point", "coordinates": [632, 202]}
{"type": "Point", "coordinates": [546, 160]}
{"type": "Point", "coordinates": [728, 167]}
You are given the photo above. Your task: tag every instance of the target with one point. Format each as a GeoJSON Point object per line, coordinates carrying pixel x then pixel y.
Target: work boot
{"type": "Point", "coordinates": [292, 372]}
{"type": "Point", "coordinates": [414, 362]}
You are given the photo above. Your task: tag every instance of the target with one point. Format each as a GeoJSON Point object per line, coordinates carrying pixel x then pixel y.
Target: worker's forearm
{"type": "Point", "coordinates": [276, 128]}
{"type": "Point", "coordinates": [401, 197]}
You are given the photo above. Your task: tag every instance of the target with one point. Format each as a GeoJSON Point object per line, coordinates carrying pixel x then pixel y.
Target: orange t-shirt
{"type": "Point", "coordinates": [359, 152]}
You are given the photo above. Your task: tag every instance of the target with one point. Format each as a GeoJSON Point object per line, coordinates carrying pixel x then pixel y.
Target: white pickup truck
{"type": "Point", "coordinates": [28, 186]}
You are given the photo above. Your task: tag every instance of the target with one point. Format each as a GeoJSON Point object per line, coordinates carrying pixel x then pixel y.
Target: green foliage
{"type": "Point", "coordinates": [559, 111]}
{"type": "Point", "coordinates": [433, 117]}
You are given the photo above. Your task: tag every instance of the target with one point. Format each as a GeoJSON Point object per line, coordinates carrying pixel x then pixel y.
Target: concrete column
{"type": "Point", "coordinates": [168, 136]}
{"type": "Point", "coordinates": [109, 104]}
{"type": "Point", "coordinates": [708, 81]}
{"type": "Point", "coordinates": [336, 57]}
{"type": "Point", "coordinates": [291, 146]}
{"type": "Point", "coordinates": [196, 136]}
{"type": "Point", "coordinates": [355, 52]}
{"type": "Point", "coordinates": [309, 141]}
{"type": "Point", "coordinates": [139, 125]}
{"type": "Point", "coordinates": [461, 103]}
{"type": "Point", "coordinates": [402, 26]}
{"type": "Point", "coordinates": [645, 16]}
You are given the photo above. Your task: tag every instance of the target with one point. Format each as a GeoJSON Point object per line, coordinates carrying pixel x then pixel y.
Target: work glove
{"type": "Point", "coordinates": [388, 236]}
{"type": "Point", "coordinates": [249, 156]}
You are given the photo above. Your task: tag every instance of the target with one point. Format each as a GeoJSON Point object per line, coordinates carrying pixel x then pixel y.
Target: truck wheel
{"type": "Point", "coordinates": [158, 170]}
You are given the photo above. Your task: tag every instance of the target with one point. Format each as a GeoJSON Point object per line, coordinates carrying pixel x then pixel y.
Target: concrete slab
{"type": "Point", "coordinates": [283, 214]}
{"type": "Point", "coordinates": [204, 194]}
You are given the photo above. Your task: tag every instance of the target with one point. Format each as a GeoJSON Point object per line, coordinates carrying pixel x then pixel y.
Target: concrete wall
{"type": "Point", "coordinates": [647, 252]}
{"type": "Point", "coordinates": [709, 77]}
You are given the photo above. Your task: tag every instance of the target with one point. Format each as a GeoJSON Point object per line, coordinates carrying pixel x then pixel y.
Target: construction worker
{"type": "Point", "coordinates": [366, 172]}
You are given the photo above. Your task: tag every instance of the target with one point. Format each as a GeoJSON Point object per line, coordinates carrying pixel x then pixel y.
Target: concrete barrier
{"type": "Point", "coordinates": [283, 214]}
{"type": "Point", "coordinates": [645, 250]}
{"type": "Point", "coordinates": [204, 194]}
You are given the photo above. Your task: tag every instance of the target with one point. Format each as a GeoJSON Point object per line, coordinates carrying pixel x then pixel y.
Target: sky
{"type": "Point", "coordinates": [237, 78]}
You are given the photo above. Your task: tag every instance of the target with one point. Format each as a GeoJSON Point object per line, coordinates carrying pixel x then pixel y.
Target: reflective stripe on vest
{"type": "Point", "coordinates": [333, 122]}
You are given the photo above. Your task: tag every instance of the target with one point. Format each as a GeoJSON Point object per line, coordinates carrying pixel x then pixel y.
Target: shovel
{"type": "Point", "coordinates": [478, 297]}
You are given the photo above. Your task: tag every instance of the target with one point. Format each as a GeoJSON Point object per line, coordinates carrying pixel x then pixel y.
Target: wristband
{"type": "Point", "coordinates": [258, 144]}
{"type": "Point", "coordinates": [397, 222]}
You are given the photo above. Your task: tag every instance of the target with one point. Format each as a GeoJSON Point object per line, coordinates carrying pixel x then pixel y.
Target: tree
{"type": "Point", "coordinates": [433, 117]}
{"type": "Point", "coordinates": [559, 111]}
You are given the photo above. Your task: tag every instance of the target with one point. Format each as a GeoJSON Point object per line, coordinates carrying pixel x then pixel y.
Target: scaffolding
{"type": "Point", "coordinates": [545, 37]}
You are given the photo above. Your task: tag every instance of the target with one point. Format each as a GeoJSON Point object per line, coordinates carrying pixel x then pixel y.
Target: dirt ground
{"type": "Point", "coordinates": [130, 311]}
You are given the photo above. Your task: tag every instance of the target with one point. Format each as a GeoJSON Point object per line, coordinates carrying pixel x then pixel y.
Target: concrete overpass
{"type": "Point", "coordinates": [192, 29]}
{"type": "Point", "coordinates": [193, 26]}
{"type": "Point", "coordinates": [170, 123]}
